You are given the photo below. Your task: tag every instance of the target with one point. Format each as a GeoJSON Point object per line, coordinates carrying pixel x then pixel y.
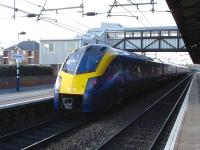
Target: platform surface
{"type": "Point", "coordinates": [189, 136]}
{"type": "Point", "coordinates": [11, 98]}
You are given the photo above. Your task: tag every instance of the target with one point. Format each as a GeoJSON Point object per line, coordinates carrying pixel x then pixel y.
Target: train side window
{"type": "Point", "coordinates": [113, 68]}
{"type": "Point", "coordinates": [127, 66]}
{"type": "Point", "coordinates": [109, 72]}
{"type": "Point", "coordinates": [141, 72]}
{"type": "Point", "coordinates": [146, 69]}
{"type": "Point", "coordinates": [117, 66]}
{"type": "Point", "coordinates": [134, 69]}
{"type": "Point", "coordinates": [138, 69]}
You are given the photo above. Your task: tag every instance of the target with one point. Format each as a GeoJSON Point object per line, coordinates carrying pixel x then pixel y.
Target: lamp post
{"type": "Point", "coordinates": [18, 66]}
{"type": "Point", "coordinates": [21, 33]}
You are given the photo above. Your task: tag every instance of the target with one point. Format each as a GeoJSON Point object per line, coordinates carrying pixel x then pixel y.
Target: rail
{"type": "Point", "coordinates": [33, 136]}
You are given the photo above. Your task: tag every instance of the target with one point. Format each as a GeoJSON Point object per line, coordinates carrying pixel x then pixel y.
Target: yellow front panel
{"type": "Point", "coordinates": [106, 60]}
{"type": "Point", "coordinates": [76, 84]}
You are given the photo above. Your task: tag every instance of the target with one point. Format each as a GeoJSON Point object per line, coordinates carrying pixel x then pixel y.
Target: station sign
{"type": "Point", "coordinates": [18, 57]}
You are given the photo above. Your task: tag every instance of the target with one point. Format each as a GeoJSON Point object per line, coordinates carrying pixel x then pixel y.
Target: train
{"type": "Point", "coordinates": [97, 77]}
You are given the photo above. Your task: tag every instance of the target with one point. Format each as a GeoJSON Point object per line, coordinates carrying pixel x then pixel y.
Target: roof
{"type": "Point", "coordinates": [25, 45]}
{"type": "Point", "coordinates": [186, 15]}
{"type": "Point", "coordinates": [111, 26]}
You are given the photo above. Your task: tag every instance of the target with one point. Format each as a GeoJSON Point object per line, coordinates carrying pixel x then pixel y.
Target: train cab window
{"type": "Point", "coordinates": [71, 62]}
{"type": "Point", "coordinates": [91, 58]}
{"type": "Point", "coordinates": [85, 59]}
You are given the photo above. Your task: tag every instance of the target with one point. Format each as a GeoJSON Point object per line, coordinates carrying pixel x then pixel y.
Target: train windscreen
{"type": "Point", "coordinates": [91, 59]}
{"type": "Point", "coordinates": [84, 60]}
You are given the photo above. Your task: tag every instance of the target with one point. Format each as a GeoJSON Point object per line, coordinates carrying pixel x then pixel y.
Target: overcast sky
{"type": "Point", "coordinates": [36, 30]}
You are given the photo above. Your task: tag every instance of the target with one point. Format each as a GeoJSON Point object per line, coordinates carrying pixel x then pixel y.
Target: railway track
{"type": "Point", "coordinates": [144, 131]}
{"type": "Point", "coordinates": [33, 136]}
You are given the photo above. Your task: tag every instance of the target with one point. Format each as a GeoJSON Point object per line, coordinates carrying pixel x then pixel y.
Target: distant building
{"type": "Point", "coordinates": [54, 51]}
{"type": "Point", "coordinates": [1, 59]}
{"type": "Point", "coordinates": [1, 55]}
{"type": "Point", "coordinates": [28, 49]}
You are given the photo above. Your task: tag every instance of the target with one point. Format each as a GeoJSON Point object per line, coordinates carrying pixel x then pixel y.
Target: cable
{"type": "Point", "coordinates": [144, 11]}
{"type": "Point", "coordinates": [16, 9]}
{"type": "Point", "coordinates": [52, 21]}
{"type": "Point", "coordinates": [32, 3]}
{"type": "Point", "coordinates": [141, 13]}
{"type": "Point", "coordinates": [38, 18]}
{"type": "Point", "coordinates": [128, 11]}
{"type": "Point", "coordinates": [115, 2]}
{"type": "Point", "coordinates": [109, 11]}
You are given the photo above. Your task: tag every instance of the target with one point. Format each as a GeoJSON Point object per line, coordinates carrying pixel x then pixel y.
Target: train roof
{"type": "Point", "coordinates": [134, 55]}
{"type": "Point", "coordinates": [126, 53]}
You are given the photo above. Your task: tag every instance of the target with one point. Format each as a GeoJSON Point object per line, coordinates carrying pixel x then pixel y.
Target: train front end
{"type": "Point", "coordinates": [77, 81]}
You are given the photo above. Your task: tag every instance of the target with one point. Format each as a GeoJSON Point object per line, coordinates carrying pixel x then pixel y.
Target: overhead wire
{"type": "Point", "coordinates": [82, 32]}
{"type": "Point", "coordinates": [141, 13]}
{"type": "Point", "coordinates": [32, 3]}
{"type": "Point", "coordinates": [38, 18]}
{"type": "Point", "coordinates": [116, 2]}
{"type": "Point", "coordinates": [144, 11]}
{"type": "Point", "coordinates": [52, 21]}
{"type": "Point", "coordinates": [14, 8]}
{"type": "Point", "coordinates": [127, 10]}
{"type": "Point", "coordinates": [89, 28]}
{"type": "Point", "coordinates": [66, 26]}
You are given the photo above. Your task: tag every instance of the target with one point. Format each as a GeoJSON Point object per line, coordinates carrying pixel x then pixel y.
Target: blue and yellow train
{"type": "Point", "coordinates": [96, 77]}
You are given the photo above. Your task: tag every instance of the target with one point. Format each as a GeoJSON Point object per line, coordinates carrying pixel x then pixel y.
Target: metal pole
{"type": "Point", "coordinates": [17, 78]}
{"type": "Point", "coordinates": [14, 10]}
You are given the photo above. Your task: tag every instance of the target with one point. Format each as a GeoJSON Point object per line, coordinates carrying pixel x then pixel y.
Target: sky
{"type": "Point", "coordinates": [72, 19]}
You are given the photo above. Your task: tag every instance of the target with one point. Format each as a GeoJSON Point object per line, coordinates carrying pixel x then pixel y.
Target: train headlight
{"type": "Point", "coordinates": [57, 84]}
{"type": "Point", "coordinates": [91, 83]}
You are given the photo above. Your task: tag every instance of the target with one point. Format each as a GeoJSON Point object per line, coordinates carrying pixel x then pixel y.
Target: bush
{"type": "Point", "coordinates": [25, 70]}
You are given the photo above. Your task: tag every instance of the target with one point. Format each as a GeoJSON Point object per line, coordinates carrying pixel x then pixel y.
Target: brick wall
{"type": "Point", "coordinates": [10, 82]}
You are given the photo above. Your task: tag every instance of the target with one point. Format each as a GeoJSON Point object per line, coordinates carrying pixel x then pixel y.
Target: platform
{"type": "Point", "coordinates": [185, 134]}
{"type": "Point", "coordinates": [12, 98]}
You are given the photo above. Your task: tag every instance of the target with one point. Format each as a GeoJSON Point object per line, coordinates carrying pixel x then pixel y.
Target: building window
{"type": "Point", "coordinates": [5, 54]}
{"type": "Point", "coordinates": [129, 34]}
{"type": "Point", "coordinates": [115, 35]}
{"type": "Point", "coordinates": [5, 60]}
{"type": "Point", "coordinates": [172, 33]}
{"type": "Point", "coordinates": [119, 35]}
{"type": "Point", "coordinates": [30, 53]}
{"type": "Point", "coordinates": [146, 34]}
{"type": "Point", "coordinates": [71, 45]}
{"type": "Point", "coordinates": [49, 47]}
{"type": "Point", "coordinates": [85, 44]}
{"type": "Point", "coordinates": [164, 33]}
{"type": "Point", "coordinates": [137, 34]}
{"type": "Point", "coordinates": [110, 35]}
{"type": "Point", "coordinates": [30, 61]}
{"type": "Point", "coordinates": [155, 33]}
